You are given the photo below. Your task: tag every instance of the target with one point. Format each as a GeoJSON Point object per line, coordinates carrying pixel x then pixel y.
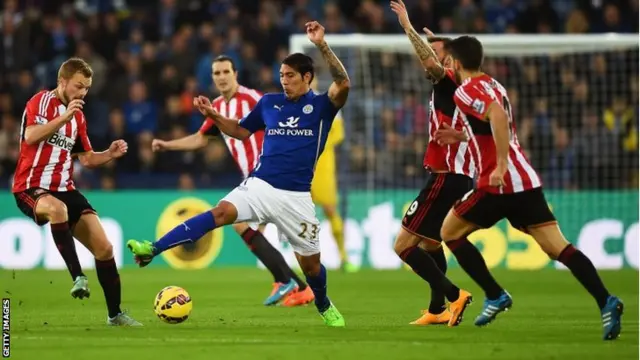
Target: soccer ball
{"type": "Point", "coordinates": [173, 305]}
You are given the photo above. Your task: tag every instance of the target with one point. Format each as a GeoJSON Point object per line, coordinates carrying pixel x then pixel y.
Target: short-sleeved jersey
{"type": "Point", "coordinates": [455, 158]}
{"type": "Point", "coordinates": [48, 164]}
{"type": "Point", "coordinates": [473, 98]}
{"type": "Point", "coordinates": [244, 152]}
{"type": "Point", "coordinates": [295, 136]}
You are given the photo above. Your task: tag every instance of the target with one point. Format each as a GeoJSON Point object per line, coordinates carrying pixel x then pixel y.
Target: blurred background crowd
{"type": "Point", "coordinates": [577, 114]}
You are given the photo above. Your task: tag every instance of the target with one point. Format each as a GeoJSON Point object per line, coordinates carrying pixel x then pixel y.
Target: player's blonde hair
{"type": "Point", "coordinates": [73, 66]}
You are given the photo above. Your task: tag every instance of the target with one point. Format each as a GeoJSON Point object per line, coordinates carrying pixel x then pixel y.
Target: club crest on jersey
{"type": "Point", "coordinates": [61, 109]}
{"type": "Point", "coordinates": [307, 109]}
{"type": "Point", "coordinates": [61, 141]}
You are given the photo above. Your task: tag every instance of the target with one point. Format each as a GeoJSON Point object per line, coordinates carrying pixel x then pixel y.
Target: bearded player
{"type": "Point", "coordinates": [54, 133]}
{"type": "Point", "coordinates": [508, 187]}
{"type": "Point", "coordinates": [236, 101]}
{"type": "Point", "coordinates": [324, 187]}
{"type": "Point", "coordinates": [450, 170]}
{"type": "Point", "coordinates": [296, 124]}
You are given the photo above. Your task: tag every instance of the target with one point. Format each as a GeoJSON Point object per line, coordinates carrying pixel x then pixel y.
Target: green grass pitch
{"type": "Point", "coordinates": [553, 317]}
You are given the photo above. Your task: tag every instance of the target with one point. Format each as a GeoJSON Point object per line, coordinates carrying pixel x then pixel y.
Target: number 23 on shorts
{"type": "Point", "coordinates": [308, 231]}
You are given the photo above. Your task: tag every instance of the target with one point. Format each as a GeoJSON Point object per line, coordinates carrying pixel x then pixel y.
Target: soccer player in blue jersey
{"type": "Point", "coordinates": [296, 124]}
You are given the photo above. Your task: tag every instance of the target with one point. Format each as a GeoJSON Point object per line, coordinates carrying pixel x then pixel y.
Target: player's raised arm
{"type": "Point", "coordinates": [425, 52]}
{"type": "Point", "coordinates": [231, 127]}
{"type": "Point", "coordinates": [339, 89]}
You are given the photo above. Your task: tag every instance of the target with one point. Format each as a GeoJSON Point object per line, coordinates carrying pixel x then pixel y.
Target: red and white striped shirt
{"type": "Point", "coordinates": [455, 158]}
{"type": "Point", "coordinates": [473, 98]}
{"type": "Point", "coordinates": [246, 153]}
{"type": "Point", "coordinates": [48, 164]}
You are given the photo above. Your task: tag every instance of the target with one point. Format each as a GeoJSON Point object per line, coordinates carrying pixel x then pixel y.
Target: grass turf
{"type": "Point", "coordinates": [553, 317]}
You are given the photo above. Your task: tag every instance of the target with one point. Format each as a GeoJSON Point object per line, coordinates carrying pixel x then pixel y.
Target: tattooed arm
{"type": "Point", "coordinates": [425, 52]}
{"type": "Point", "coordinates": [339, 89]}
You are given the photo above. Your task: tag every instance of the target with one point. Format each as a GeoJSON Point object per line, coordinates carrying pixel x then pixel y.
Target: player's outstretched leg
{"type": "Point", "coordinates": [90, 232]}
{"type": "Point", "coordinates": [55, 211]}
{"type": "Point", "coordinates": [553, 242]}
{"type": "Point", "coordinates": [284, 284]}
{"type": "Point", "coordinates": [316, 275]}
{"type": "Point", "coordinates": [191, 230]}
{"type": "Point", "coordinates": [453, 233]}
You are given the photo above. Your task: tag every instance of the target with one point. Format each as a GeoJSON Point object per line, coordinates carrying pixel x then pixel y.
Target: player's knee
{"type": "Point", "coordinates": [428, 245]}
{"type": "Point", "coordinates": [55, 210]}
{"type": "Point", "coordinates": [103, 250]}
{"type": "Point", "coordinates": [310, 265]}
{"type": "Point", "coordinates": [224, 213]}
{"type": "Point", "coordinates": [550, 240]}
{"type": "Point", "coordinates": [404, 240]}
{"type": "Point", "coordinates": [447, 233]}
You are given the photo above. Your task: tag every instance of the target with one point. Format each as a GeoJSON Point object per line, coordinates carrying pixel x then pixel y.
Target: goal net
{"type": "Point", "coordinates": [575, 102]}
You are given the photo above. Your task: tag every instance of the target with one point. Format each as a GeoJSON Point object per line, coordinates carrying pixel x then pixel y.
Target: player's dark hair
{"type": "Point", "coordinates": [467, 50]}
{"type": "Point", "coordinates": [73, 66]}
{"type": "Point", "coordinates": [301, 63]}
{"type": "Point", "coordinates": [223, 58]}
{"type": "Point", "coordinates": [443, 39]}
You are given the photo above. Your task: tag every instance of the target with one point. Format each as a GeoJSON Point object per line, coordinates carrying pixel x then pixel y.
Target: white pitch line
{"type": "Point", "coordinates": [207, 340]}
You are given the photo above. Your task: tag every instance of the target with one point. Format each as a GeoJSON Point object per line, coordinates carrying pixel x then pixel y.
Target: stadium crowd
{"type": "Point", "coordinates": [577, 114]}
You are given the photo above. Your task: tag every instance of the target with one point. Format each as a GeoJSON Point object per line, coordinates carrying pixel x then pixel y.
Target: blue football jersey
{"type": "Point", "coordinates": [294, 137]}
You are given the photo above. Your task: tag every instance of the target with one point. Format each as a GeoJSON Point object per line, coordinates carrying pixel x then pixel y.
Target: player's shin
{"type": "Point", "coordinates": [110, 281]}
{"type": "Point", "coordinates": [471, 261]}
{"type": "Point", "coordinates": [582, 269]}
{"type": "Point", "coordinates": [424, 265]}
{"type": "Point", "coordinates": [66, 246]}
{"type": "Point", "coordinates": [437, 304]}
{"type": "Point", "coordinates": [189, 231]}
{"type": "Point", "coordinates": [267, 254]}
{"type": "Point", "coordinates": [316, 275]}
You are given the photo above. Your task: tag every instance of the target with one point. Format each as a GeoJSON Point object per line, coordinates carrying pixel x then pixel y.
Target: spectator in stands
{"type": "Point", "coordinates": [501, 13]}
{"type": "Point", "coordinates": [611, 21]}
{"type": "Point", "coordinates": [560, 170]}
{"type": "Point", "coordinates": [9, 135]}
{"type": "Point", "coordinates": [577, 22]}
{"type": "Point", "coordinates": [619, 119]}
{"type": "Point", "coordinates": [537, 13]}
{"type": "Point", "coordinates": [140, 113]}
{"type": "Point", "coordinates": [597, 154]}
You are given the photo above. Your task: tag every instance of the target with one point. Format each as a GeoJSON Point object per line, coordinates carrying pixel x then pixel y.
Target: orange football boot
{"type": "Point", "coordinates": [458, 307]}
{"type": "Point", "coordinates": [298, 298]}
{"type": "Point", "coordinates": [428, 318]}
